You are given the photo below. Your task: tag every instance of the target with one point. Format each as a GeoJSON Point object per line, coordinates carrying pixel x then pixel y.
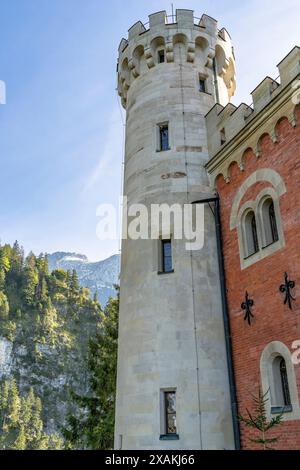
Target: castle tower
{"type": "Point", "coordinates": [173, 386]}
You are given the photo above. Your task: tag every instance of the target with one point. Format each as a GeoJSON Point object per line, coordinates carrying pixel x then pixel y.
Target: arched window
{"type": "Point", "coordinates": [158, 50]}
{"type": "Point", "coordinates": [251, 239]}
{"type": "Point", "coordinates": [282, 397]}
{"type": "Point", "coordinates": [269, 222]}
{"type": "Point", "coordinates": [278, 378]}
{"type": "Point", "coordinates": [285, 383]}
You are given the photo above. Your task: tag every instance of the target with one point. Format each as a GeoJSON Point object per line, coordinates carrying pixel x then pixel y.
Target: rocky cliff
{"type": "Point", "coordinates": [99, 277]}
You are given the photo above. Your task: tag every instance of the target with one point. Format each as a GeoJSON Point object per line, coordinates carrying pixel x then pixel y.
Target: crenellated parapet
{"type": "Point", "coordinates": [225, 123]}
{"type": "Point", "coordinates": [201, 42]}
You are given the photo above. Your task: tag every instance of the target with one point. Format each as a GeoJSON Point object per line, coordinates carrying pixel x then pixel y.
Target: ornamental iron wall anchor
{"type": "Point", "coordinates": [247, 305]}
{"type": "Point", "coordinates": [286, 289]}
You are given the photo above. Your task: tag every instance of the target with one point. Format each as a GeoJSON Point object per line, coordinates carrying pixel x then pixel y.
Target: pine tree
{"type": "Point", "coordinates": [49, 321]}
{"type": "Point", "coordinates": [4, 264]}
{"type": "Point", "coordinates": [42, 264]}
{"type": "Point", "coordinates": [74, 284]}
{"type": "Point", "coordinates": [4, 306]}
{"type": "Point", "coordinates": [17, 258]}
{"type": "Point", "coordinates": [42, 289]}
{"type": "Point", "coordinates": [37, 307]}
{"type": "Point", "coordinates": [30, 283]}
{"type": "Point", "coordinates": [20, 442]}
{"type": "Point", "coordinates": [14, 404]}
{"type": "Point", "coordinates": [31, 261]}
{"type": "Point", "coordinates": [260, 423]}
{"type": "Point", "coordinates": [2, 279]}
{"type": "Point", "coordinates": [93, 428]}
{"type": "Point", "coordinates": [21, 425]}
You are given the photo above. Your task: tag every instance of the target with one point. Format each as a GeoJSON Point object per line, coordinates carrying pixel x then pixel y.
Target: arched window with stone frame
{"type": "Point", "coordinates": [269, 222]}
{"type": "Point", "coordinates": [279, 381]}
{"type": "Point", "coordinates": [269, 233]}
{"type": "Point", "coordinates": [282, 396]}
{"type": "Point", "coordinates": [251, 243]}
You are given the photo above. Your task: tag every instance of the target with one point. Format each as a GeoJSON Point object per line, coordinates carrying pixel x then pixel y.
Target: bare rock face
{"type": "Point", "coordinates": [46, 348]}
{"type": "Point", "coordinates": [6, 357]}
{"type": "Point", "coordinates": [53, 369]}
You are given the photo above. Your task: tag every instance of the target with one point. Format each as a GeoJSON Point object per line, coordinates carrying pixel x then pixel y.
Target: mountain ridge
{"type": "Point", "coordinates": [99, 276]}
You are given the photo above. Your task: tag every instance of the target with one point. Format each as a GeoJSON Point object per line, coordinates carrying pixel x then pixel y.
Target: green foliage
{"type": "Point", "coordinates": [4, 259]}
{"type": "Point", "coordinates": [93, 426]}
{"type": "Point", "coordinates": [21, 425]}
{"type": "Point", "coordinates": [260, 423]}
{"type": "Point", "coordinates": [8, 329]}
{"type": "Point", "coordinates": [28, 289]}
{"type": "Point", "coordinates": [50, 320]}
{"type": "Point", "coordinates": [4, 306]}
{"type": "Point", "coordinates": [74, 284]}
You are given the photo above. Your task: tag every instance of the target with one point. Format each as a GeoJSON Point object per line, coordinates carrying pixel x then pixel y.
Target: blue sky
{"type": "Point", "coordinates": [61, 133]}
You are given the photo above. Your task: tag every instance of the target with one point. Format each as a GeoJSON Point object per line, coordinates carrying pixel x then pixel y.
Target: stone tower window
{"type": "Point", "coordinates": [223, 136]}
{"type": "Point", "coordinates": [170, 412]}
{"type": "Point", "coordinates": [167, 262]}
{"type": "Point", "coordinates": [169, 429]}
{"type": "Point", "coordinates": [163, 137]}
{"type": "Point", "coordinates": [202, 84]}
{"type": "Point", "coordinates": [161, 56]}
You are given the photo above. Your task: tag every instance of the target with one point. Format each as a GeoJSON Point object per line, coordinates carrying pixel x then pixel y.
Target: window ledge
{"type": "Point", "coordinates": [263, 253]}
{"type": "Point", "coordinates": [277, 410]}
{"type": "Point", "coordinates": [250, 256]}
{"type": "Point", "coordinates": [270, 244]}
{"type": "Point", "coordinates": [162, 273]}
{"type": "Point", "coordinates": [169, 437]}
{"type": "Point", "coordinates": [166, 150]}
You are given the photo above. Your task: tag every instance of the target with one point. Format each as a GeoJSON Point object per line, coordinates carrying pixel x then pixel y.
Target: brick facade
{"type": "Point", "coordinates": [273, 320]}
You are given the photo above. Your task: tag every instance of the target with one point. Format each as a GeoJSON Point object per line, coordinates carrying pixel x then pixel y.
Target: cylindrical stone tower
{"type": "Point", "coordinates": [173, 385]}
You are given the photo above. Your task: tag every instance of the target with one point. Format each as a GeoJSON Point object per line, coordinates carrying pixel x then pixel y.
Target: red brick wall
{"type": "Point", "coordinates": [273, 320]}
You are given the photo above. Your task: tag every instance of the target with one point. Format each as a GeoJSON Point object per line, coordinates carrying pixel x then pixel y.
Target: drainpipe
{"type": "Point", "coordinates": [225, 311]}
{"type": "Point", "coordinates": [216, 85]}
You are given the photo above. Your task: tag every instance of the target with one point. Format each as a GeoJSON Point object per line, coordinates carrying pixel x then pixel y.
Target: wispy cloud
{"type": "Point", "coordinates": [112, 150]}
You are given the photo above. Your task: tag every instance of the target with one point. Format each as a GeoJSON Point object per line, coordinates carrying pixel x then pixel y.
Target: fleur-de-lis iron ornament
{"type": "Point", "coordinates": [247, 305]}
{"type": "Point", "coordinates": [286, 289]}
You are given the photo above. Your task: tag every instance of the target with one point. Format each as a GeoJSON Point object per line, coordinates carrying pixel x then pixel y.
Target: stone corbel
{"type": "Point", "coordinates": [133, 69]}
{"type": "Point", "coordinates": [292, 119]}
{"type": "Point", "coordinates": [241, 166]}
{"type": "Point", "coordinates": [274, 136]}
{"type": "Point", "coordinates": [210, 58]}
{"type": "Point", "coordinates": [191, 52]}
{"type": "Point", "coordinates": [257, 151]}
{"type": "Point", "coordinates": [149, 58]}
{"type": "Point", "coordinates": [126, 87]}
{"type": "Point", "coordinates": [223, 72]}
{"type": "Point", "coordinates": [169, 52]}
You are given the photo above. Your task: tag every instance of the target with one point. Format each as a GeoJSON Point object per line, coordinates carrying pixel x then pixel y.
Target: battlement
{"type": "Point", "coordinates": [200, 36]}
{"type": "Point", "coordinates": [224, 123]}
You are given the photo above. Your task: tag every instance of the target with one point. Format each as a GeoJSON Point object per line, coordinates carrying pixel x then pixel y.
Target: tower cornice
{"type": "Point", "coordinates": [165, 31]}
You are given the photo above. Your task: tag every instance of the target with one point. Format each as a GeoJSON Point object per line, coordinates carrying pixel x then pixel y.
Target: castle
{"type": "Point", "coordinates": [201, 330]}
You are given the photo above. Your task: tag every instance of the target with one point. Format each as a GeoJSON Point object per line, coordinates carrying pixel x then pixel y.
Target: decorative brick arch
{"type": "Point", "coordinates": [263, 175]}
